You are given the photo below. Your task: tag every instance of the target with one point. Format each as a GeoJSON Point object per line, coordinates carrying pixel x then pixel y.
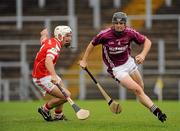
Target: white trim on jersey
{"type": "Point", "coordinates": [58, 43]}
{"type": "Point", "coordinates": [107, 57]}
{"type": "Point", "coordinates": [57, 47]}
{"type": "Point", "coordinates": [53, 51]}
{"type": "Point", "coordinates": [51, 55]}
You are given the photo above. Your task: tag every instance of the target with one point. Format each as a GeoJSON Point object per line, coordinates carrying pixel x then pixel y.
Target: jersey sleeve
{"type": "Point", "coordinates": [98, 39]}
{"type": "Point", "coordinates": [52, 50]}
{"type": "Point", "coordinates": [137, 37]}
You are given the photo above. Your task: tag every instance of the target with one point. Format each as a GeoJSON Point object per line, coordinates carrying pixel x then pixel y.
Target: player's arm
{"type": "Point", "coordinates": [141, 57]}
{"type": "Point", "coordinates": [89, 49]}
{"type": "Point", "coordinates": [44, 35]}
{"type": "Point", "coordinates": [50, 67]}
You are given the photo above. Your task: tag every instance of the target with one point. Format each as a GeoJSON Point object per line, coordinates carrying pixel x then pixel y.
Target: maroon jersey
{"type": "Point", "coordinates": [116, 49]}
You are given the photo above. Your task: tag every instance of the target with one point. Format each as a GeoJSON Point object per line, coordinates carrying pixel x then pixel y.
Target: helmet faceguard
{"type": "Point", "coordinates": [119, 17]}
{"type": "Point", "coordinates": [62, 31]}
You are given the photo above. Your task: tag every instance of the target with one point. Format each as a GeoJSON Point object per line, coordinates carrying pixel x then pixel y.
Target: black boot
{"type": "Point", "coordinates": [158, 113]}
{"type": "Point", "coordinates": [46, 115]}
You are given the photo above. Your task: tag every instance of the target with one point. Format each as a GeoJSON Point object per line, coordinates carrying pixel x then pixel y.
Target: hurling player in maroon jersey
{"type": "Point", "coordinates": [116, 52]}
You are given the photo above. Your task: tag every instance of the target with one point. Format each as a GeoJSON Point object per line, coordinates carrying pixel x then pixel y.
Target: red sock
{"type": "Point", "coordinates": [46, 107]}
{"type": "Point", "coordinates": [58, 111]}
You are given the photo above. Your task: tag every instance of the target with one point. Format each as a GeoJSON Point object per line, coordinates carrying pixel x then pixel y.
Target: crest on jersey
{"type": "Point", "coordinates": [118, 42]}
{"type": "Point", "coordinates": [53, 51]}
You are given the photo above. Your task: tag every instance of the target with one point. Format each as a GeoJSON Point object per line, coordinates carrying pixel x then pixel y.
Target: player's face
{"type": "Point", "coordinates": [67, 39]}
{"type": "Point", "coordinates": [119, 26]}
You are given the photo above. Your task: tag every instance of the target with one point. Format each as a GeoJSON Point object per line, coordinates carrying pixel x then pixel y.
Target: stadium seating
{"type": "Point", "coordinates": [86, 31]}
{"type": "Point", "coordinates": [169, 32]}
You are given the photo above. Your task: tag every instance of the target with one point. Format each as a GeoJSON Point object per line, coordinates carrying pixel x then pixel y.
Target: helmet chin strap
{"type": "Point", "coordinates": [118, 33]}
{"type": "Point", "coordinates": [61, 38]}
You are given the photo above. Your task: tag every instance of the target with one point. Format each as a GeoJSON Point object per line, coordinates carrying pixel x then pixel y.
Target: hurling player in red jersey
{"type": "Point", "coordinates": [44, 74]}
{"type": "Point", "coordinates": [116, 52]}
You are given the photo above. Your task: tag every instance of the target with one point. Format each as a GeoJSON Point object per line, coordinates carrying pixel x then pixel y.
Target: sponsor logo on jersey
{"type": "Point", "coordinates": [53, 51]}
{"type": "Point", "coordinates": [117, 50]}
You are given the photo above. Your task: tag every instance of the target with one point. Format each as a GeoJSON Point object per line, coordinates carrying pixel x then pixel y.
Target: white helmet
{"type": "Point", "coordinates": [62, 30]}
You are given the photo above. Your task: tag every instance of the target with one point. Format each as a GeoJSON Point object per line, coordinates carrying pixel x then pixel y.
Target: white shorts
{"type": "Point", "coordinates": [44, 84]}
{"type": "Point", "coordinates": [127, 68]}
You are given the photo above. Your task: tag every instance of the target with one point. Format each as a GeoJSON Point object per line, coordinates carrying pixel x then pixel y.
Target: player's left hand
{"type": "Point", "coordinates": [140, 59]}
{"type": "Point", "coordinates": [83, 64]}
{"type": "Point", "coordinates": [54, 79]}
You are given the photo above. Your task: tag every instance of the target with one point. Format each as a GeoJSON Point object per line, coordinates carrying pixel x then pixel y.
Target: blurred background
{"type": "Point", "coordinates": [22, 20]}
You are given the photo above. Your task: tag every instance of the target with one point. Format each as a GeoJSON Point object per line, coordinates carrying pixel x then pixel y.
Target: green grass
{"type": "Point", "coordinates": [23, 116]}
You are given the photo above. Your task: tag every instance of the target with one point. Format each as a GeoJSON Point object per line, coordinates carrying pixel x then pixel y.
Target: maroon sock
{"type": "Point", "coordinates": [47, 107]}
{"type": "Point", "coordinates": [58, 111]}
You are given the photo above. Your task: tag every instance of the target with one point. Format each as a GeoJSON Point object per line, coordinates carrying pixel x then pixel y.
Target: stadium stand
{"type": "Point", "coordinates": [31, 31]}
{"type": "Point", "coordinates": [168, 30]}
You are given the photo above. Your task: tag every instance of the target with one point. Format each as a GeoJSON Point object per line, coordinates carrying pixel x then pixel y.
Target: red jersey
{"type": "Point", "coordinates": [50, 47]}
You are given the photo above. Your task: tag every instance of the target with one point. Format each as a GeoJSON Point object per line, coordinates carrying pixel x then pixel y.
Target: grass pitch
{"type": "Point", "coordinates": [23, 116]}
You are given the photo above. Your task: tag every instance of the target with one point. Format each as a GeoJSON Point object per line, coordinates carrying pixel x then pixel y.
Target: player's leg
{"type": "Point", "coordinates": [136, 76]}
{"type": "Point", "coordinates": [58, 105]}
{"type": "Point", "coordinates": [46, 86]}
{"type": "Point", "coordinates": [138, 79]}
{"type": "Point", "coordinates": [45, 109]}
{"type": "Point", "coordinates": [58, 113]}
{"type": "Point", "coordinates": [132, 85]}
{"type": "Point", "coordinates": [135, 83]}
{"type": "Point", "coordinates": [57, 101]}
{"type": "Point", "coordinates": [129, 83]}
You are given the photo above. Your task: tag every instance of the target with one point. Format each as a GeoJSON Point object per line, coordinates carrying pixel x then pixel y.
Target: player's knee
{"type": "Point", "coordinates": [138, 91]}
{"type": "Point", "coordinates": [141, 84]}
{"type": "Point", "coordinates": [58, 101]}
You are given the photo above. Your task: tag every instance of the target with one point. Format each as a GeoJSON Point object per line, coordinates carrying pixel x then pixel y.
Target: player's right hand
{"type": "Point", "coordinates": [139, 58]}
{"type": "Point", "coordinates": [44, 32]}
{"type": "Point", "coordinates": [44, 35]}
{"type": "Point", "coordinates": [83, 64]}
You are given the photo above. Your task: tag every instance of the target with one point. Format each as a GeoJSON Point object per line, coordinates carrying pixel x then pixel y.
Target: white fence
{"type": "Point", "coordinates": [157, 17]}
{"type": "Point", "coordinates": [70, 18]}
{"type": "Point", "coordinates": [24, 80]}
